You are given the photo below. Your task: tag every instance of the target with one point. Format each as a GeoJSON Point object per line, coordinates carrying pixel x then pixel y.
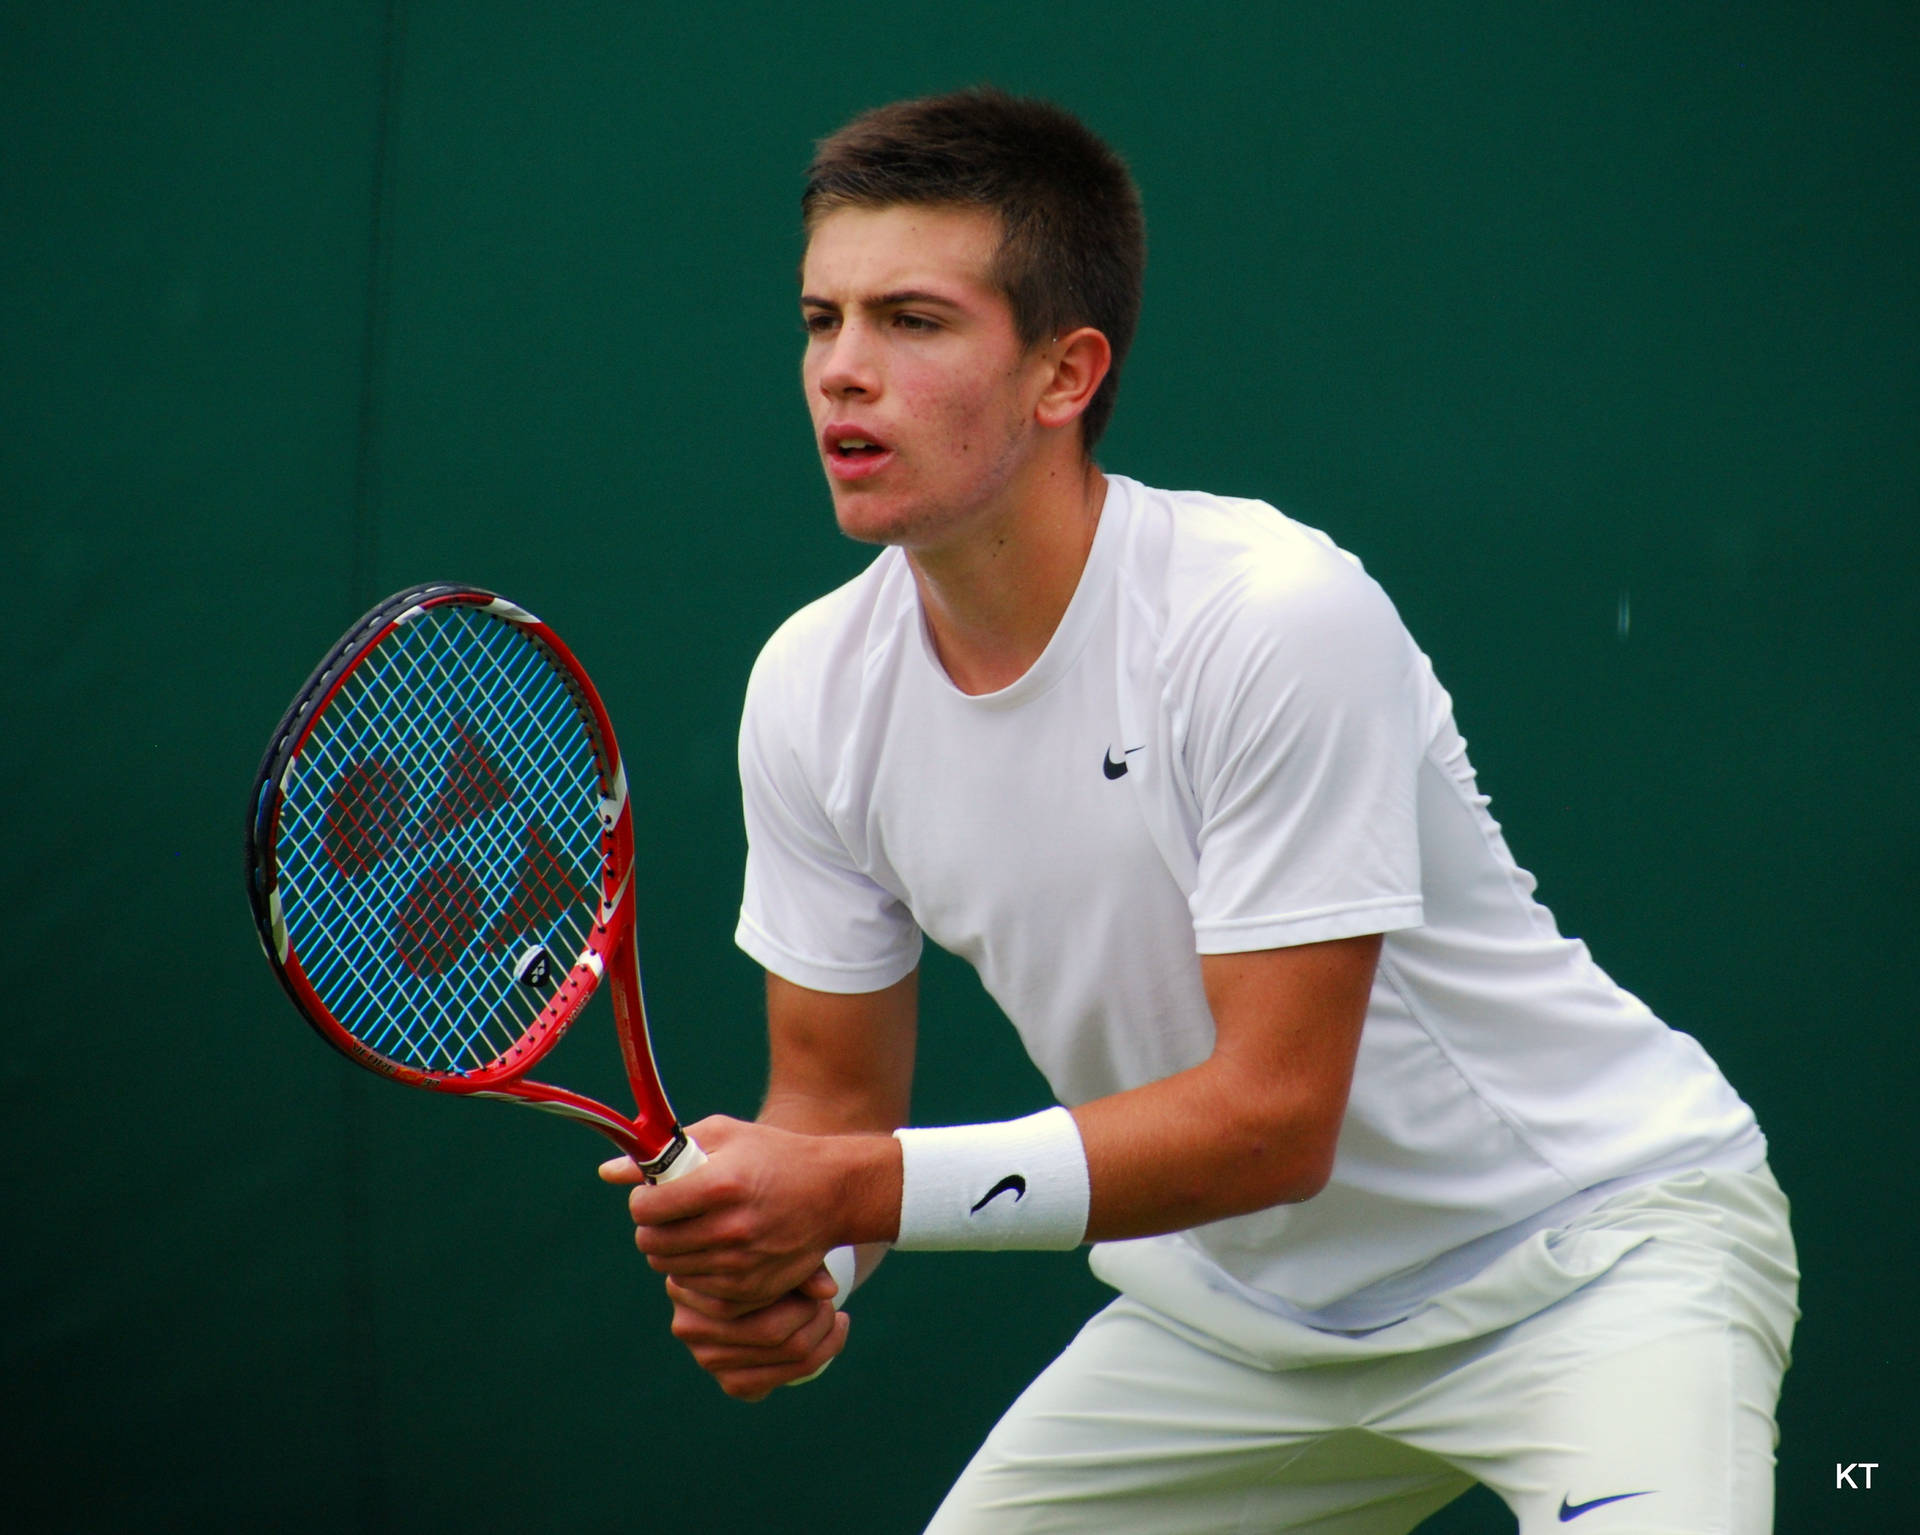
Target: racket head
{"type": "Point", "coordinates": [439, 846]}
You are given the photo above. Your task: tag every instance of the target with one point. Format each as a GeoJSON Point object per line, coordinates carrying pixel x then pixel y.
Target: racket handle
{"type": "Point", "coordinates": [679, 1159]}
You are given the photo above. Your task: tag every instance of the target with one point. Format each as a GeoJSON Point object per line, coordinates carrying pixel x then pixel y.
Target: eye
{"type": "Point", "coordinates": [818, 322]}
{"type": "Point", "coordinates": [915, 322]}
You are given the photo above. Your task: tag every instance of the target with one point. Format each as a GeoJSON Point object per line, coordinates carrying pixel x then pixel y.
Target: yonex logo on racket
{"type": "Point", "coordinates": [368, 806]}
{"type": "Point", "coordinates": [373, 822]}
{"type": "Point", "coordinates": [369, 803]}
{"type": "Point", "coordinates": [534, 968]}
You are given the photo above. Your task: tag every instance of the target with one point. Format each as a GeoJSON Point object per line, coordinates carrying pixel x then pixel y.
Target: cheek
{"type": "Point", "coordinates": [958, 416]}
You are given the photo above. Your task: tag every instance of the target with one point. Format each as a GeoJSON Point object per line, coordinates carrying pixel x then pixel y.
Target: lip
{"type": "Point", "coordinates": [849, 469]}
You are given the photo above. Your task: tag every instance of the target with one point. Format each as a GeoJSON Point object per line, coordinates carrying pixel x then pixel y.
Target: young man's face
{"type": "Point", "coordinates": [921, 392]}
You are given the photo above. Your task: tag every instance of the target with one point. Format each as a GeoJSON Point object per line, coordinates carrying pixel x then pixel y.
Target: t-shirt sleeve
{"type": "Point", "coordinates": [808, 912]}
{"type": "Point", "coordinates": [1303, 744]}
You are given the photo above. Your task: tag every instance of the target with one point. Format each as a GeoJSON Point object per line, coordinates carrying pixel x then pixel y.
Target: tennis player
{"type": "Point", "coordinates": [1398, 1189]}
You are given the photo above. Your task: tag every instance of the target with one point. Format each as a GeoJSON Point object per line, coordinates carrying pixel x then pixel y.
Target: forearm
{"type": "Point", "coordinates": [1254, 1125]}
{"type": "Point", "coordinates": [1199, 1146]}
{"type": "Point", "coordinates": [807, 1113]}
{"type": "Point", "coordinates": [820, 1087]}
{"type": "Point", "coordinates": [839, 1064]}
{"type": "Point", "coordinates": [1196, 1147]}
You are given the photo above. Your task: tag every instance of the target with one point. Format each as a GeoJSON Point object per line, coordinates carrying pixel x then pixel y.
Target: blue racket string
{"type": "Point", "coordinates": [441, 822]}
{"type": "Point", "coordinates": [442, 687]}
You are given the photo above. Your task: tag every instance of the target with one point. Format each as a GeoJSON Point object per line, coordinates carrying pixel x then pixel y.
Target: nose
{"type": "Point", "coordinates": [848, 364]}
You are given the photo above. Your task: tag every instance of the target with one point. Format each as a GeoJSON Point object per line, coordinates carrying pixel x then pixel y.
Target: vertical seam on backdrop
{"type": "Point", "coordinates": [364, 534]}
{"type": "Point", "coordinates": [358, 1311]}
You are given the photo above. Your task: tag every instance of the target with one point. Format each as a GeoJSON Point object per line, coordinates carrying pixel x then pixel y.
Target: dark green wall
{"type": "Point", "coordinates": [1591, 328]}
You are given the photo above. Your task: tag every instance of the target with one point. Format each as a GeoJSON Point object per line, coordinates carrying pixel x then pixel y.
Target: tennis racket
{"type": "Point", "coordinates": [440, 860]}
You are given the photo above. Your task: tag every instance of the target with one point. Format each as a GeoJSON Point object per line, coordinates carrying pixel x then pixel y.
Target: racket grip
{"type": "Point", "coordinates": [677, 1161]}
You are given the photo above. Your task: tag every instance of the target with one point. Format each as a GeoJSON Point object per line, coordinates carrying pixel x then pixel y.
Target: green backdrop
{"type": "Point", "coordinates": [1591, 328]}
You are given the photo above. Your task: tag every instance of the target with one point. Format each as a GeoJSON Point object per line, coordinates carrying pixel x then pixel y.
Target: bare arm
{"type": "Point", "coordinates": [1253, 1125]}
{"type": "Point", "coordinates": [839, 1064]}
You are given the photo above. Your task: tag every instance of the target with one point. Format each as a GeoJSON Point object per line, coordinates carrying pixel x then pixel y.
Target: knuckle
{"type": "Point", "coordinates": [769, 1335]}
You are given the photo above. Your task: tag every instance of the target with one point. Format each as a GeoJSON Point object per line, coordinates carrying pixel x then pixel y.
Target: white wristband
{"type": "Point", "coordinates": [1021, 1183]}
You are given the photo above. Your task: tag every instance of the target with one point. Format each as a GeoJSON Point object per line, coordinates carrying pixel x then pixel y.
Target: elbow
{"type": "Point", "coordinates": [1302, 1175]}
{"type": "Point", "coordinates": [1316, 1143]}
{"type": "Point", "coordinates": [1311, 1177]}
{"type": "Point", "coordinates": [1289, 1164]}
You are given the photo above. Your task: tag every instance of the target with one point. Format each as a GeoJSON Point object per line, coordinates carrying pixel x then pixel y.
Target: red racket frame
{"type": "Point", "coordinates": [652, 1137]}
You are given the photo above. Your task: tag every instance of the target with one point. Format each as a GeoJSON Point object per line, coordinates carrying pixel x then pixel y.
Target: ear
{"type": "Point", "coordinates": [1079, 361]}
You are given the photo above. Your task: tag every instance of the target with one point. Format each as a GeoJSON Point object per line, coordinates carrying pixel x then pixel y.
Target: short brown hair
{"type": "Point", "coordinates": [1073, 244]}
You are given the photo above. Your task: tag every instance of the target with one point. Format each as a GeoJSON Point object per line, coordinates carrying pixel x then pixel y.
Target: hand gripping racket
{"type": "Point", "coordinates": [440, 860]}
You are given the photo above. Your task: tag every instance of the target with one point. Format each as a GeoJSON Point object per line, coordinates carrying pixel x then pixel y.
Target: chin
{"type": "Point", "coordinates": [869, 519]}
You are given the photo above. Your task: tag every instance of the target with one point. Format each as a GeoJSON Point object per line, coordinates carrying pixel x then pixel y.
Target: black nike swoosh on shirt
{"type": "Point", "coordinates": [1013, 1183]}
{"type": "Point", "coordinates": [1117, 769]}
{"type": "Point", "coordinates": [1575, 1510]}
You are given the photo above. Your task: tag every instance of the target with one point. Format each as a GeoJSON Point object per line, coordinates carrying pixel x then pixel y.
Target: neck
{"type": "Point", "coordinates": [993, 599]}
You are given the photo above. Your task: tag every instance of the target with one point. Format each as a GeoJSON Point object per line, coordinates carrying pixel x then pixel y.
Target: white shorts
{"type": "Point", "coordinates": [1620, 1372]}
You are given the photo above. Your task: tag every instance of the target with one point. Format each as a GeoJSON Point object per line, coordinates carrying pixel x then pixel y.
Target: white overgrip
{"type": "Point", "coordinates": [685, 1160]}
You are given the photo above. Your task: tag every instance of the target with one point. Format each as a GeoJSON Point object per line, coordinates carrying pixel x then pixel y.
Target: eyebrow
{"type": "Point", "coordinates": [886, 300]}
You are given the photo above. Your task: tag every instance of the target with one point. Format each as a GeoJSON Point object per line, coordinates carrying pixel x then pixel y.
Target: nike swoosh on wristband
{"type": "Point", "coordinates": [1013, 1183]}
{"type": "Point", "coordinates": [1575, 1510]}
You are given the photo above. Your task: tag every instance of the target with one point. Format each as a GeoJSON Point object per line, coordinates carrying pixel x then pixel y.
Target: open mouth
{"type": "Point", "coordinates": [853, 455]}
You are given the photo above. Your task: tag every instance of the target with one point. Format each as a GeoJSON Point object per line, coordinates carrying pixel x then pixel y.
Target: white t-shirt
{"type": "Point", "coordinates": [1292, 773]}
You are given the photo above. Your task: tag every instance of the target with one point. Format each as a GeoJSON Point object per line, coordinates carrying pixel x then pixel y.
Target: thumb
{"type": "Point", "coordinates": [819, 1285]}
{"type": "Point", "coordinates": [620, 1169]}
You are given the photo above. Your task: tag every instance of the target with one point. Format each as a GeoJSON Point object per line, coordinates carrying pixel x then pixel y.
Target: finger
{"type": "Point", "coordinates": [684, 1295]}
{"type": "Point", "coordinates": [696, 1234]}
{"type": "Point", "coordinates": [752, 1383]}
{"type": "Point", "coordinates": [841, 1325]}
{"type": "Point", "coordinates": [791, 1326]}
{"type": "Point", "coordinates": [658, 1204]}
{"type": "Point", "coordinates": [746, 1289]}
{"type": "Point", "coordinates": [689, 1303]}
{"type": "Point", "coordinates": [719, 1262]}
{"type": "Point", "coordinates": [620, 1170]}
{"type": "Point", "coordinates": [732, 1284]}
{"type": "Point", "coordinates": [820, 1284]}
{"type": "Point", "coordinates": [695, 1294]}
